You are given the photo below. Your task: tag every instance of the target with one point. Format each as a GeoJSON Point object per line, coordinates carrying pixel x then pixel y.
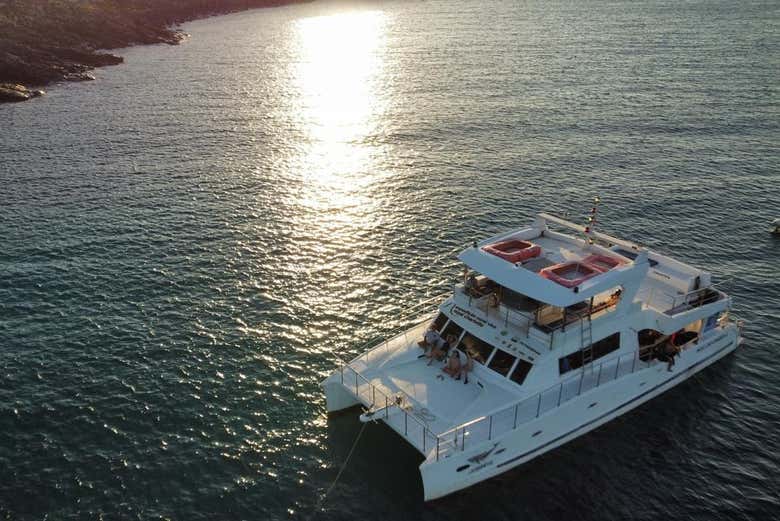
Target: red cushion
{"type": "Point", "coordinates": [513, 250]}
{"type": "Point", "coordinates": [569, 274]}
{"type": "Point", "coordinates": [602, 263]}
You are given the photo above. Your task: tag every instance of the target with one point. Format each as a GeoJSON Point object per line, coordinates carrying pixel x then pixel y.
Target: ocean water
{"type": "Point", "coordinates": [186, 242]}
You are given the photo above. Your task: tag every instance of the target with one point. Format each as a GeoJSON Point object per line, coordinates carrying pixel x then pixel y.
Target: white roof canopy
{"type": "Point", "coordinates": [529, 283]}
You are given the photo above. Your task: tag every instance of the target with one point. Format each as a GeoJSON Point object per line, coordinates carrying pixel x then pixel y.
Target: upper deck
{"type": "Point", "coordinates": [652, 278]}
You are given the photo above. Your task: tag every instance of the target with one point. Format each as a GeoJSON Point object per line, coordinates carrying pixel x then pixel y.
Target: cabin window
{"type": "Point", "coordinates": [599, 349]}
{"type": "Point", "coordinates": [711, 322]}
{"type": "Point", "coordinates": [476, 348]}
{"type": "Point", "coordinates": [521, 371]}
{"type": "Point", "coordinates": [502, 362]}
{"type": "Point", "coordinates": [451, 333]}
{"type": "Point", "coordinates": [649, 340]}
{"type": "Point", "coordinates": [439, 321]}
{"type": "Point", "coordinates": [649, 337]}
{"type": "Point", "coordinates": [549, 317]}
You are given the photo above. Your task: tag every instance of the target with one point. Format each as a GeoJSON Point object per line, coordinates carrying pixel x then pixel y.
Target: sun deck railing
{"type": "Point", "coordinates": [501, 313]}
{"type": "Point", "coordinates": [526, 322]}
{"type": "Point", "coordinates": [672, 304]}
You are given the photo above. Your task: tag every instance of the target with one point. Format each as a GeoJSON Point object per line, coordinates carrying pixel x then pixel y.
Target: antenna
{"type": "Point", "coordinates": [590, 226]}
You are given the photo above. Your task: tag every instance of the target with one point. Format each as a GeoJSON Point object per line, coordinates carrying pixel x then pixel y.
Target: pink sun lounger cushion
{"type": "Point", "coordinates": [513, 250]}
{"type": "Point", "coordinates": [602, 262]}
{"type": "Point", "coordinates": [569, 274]}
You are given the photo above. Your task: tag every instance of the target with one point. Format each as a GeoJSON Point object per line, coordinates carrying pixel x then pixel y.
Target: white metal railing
{"type": "Point", "coordinates": [672, 304]}
{"type": "Point", "coordinates": [512, 416]}
{"type": "Point", "coordinates": [375, 396]}
{"type": "Point", "coordinates": [382, 344]}
{"type": "Point", "coordinates": [526, 322]}
{"type": "Point", "coordinates": [383, 404]}
{"type": "Point", "coordinates": [501, 313]}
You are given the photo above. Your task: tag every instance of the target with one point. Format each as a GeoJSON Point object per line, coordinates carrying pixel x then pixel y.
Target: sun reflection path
{"type": "Point", "coordinates": [340, 104]}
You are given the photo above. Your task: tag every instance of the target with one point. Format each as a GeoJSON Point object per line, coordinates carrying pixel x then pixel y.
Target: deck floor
{"type": "Point", "coordinates": [433, 396]}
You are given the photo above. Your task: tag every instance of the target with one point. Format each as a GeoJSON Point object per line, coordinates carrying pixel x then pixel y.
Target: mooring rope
{"type": "Point", "coordinates": [338, 476]}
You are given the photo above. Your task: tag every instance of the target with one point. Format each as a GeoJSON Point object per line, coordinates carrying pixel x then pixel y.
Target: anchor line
{"type": "Point", "coordinates": [322, 499]}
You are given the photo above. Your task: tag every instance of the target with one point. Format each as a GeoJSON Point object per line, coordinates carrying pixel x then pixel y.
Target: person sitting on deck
{"type": "Point", "coordinates": [430, 339]}
{"type": "Point", "coordinates": [453, 365]}
{"type": "Point", "coordinates": [671, 352]}
{"type": "Point", "coordinates": [466, 367]}
{"type": "Point", "coordinates": [440, 348]}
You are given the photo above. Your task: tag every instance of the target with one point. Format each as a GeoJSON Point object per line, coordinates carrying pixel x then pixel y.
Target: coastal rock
{"type": "Point", "coordinates": [79, 76]}
{"type": "Point", "coordinates": [13, 92]}
{"type": "Point", "coordinates": [43, 42]}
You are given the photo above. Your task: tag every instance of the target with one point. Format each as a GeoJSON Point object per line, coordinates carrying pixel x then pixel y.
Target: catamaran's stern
{"type": "Point", "coordinates": [337, 397]}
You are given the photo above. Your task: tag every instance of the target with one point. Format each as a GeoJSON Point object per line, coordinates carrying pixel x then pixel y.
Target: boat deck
{"type": "Point", "coordinates": [438, 414]}
{"type": "Point", "coordinates": [437, 401]}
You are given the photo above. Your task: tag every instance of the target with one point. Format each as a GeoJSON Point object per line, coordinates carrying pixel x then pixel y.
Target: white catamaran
{"type": "Point", "coordinates": [549, 336]}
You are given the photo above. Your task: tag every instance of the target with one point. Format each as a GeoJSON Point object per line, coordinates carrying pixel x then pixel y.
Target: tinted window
{"type": "Point", "coordinates": [502, 362]}
{"type": "Point", "coordinates": [439, 321]}
{"type": "Point", "coordinates": [601, 348]}
{"type": "Point", "coordinates": [521, 371]}
{"type": "Point", "coordinates": [606, 345]}
{"type": "Point", "coordinates": [479, 350]}
{"type": "Point", "coordinates": [451, 333]}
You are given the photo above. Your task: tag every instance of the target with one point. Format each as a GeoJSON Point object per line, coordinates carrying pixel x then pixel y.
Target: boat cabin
{"type": "Point", "coordinates": [535, 290]}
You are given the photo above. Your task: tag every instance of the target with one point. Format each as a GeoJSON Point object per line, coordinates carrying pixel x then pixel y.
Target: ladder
{"type": "Point", "coordinates": [586, 337]}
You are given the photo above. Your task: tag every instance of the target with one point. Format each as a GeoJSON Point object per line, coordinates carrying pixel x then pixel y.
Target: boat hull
{"type": "Point", "coordinates": [337, 397]}
{"type": "Point", "coordinates": [576, 417]}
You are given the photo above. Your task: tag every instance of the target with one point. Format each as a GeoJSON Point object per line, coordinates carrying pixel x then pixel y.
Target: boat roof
{"type": "Point", "coordinates": [557, 248]}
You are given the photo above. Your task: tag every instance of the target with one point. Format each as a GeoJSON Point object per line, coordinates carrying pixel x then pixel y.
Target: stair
{"type": "Point", "coordinates": [586, 337]}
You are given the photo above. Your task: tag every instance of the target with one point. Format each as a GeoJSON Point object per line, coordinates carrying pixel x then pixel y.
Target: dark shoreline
{"type": "Point", "coordinates": [48, 41]}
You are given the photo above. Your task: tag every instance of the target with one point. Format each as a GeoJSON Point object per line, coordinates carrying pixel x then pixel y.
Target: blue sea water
{"type": "Point", "coordinates": [187, 241]}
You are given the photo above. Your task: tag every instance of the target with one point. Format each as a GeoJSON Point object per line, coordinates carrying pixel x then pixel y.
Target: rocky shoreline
{"type": "Point", "coordinates": [10, 92]}
{"type": "Point", "coordinates": [47, 41]}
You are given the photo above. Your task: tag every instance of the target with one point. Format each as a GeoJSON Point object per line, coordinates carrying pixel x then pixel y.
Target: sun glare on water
{"type": "Point", "coordinates": [340, 100]}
